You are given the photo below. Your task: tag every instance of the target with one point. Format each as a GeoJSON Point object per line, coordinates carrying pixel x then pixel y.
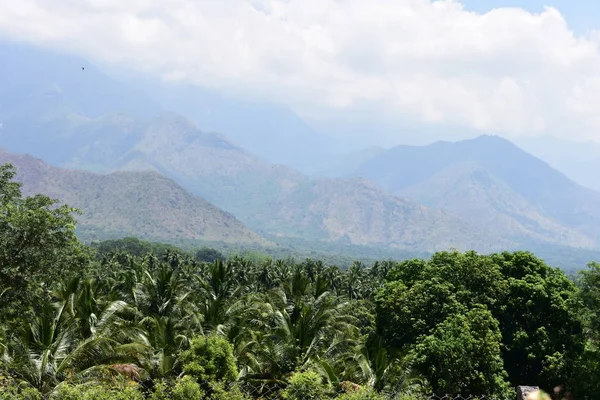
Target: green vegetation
{"type": "Point", "coordinates": [144, 204]}
{"type": "Point", "coordinates": [147, 321]}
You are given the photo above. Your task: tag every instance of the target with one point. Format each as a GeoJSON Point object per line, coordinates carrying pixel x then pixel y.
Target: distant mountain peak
{"type": "Point", "coordinates": [530, 198]}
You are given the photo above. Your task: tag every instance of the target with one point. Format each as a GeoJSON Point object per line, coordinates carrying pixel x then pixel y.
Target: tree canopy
{"type": "Point", "coordinates": [152, 322]}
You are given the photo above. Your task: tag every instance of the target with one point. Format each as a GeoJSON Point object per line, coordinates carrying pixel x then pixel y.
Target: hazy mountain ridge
{"type": "Point", "coordinates": [472, 192]}
{"type": "Point", "coordinates": [272, 132]}
{"type": "Point", "coordinates": [49, 122]}
{"type": "Point", "coordinates": [273, 199]}
{"type": "Point", "coordinates": [280, 201]}
{"type": "Point", "coordinates": [580, 161]}
{"type": "Point", "coordinates": [356, 211]}
{"type": "Point", "coordinates": [144, 204]}
{"type": "Point", "coordinates": [522, 196]}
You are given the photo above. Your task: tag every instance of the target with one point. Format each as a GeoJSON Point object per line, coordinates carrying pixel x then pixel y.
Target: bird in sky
{"type": "Point", "coordinates": [82, 68]}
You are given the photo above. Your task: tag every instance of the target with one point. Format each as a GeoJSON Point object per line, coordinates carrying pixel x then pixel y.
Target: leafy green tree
{"type": "Point", "coordinates": [542, 332]}
{"type": "Point", "coordinates": [585, 384]}
{"type": "Point", "coordinates": [535, 306]}
{"type": "Point", "coordinates": [462, 355]}
{"type": "Point", "coordinates": [589, 282]}
{"type": "Point", "coordinates": [37, 245]}
{"type": "Point", "coordinates": [404, 313]}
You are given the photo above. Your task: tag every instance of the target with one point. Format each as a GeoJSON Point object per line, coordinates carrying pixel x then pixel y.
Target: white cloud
{"type": "Point", "coordinates": [508, 71]}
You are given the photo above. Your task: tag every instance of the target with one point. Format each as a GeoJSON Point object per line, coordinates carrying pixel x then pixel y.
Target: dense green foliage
{"type": "Point", "coordinates": [37, 245]}
{"type": "Point", "coordinates": [145, 321]}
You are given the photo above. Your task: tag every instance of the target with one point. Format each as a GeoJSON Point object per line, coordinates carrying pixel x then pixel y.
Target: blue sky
{"type": "Point", "coordinates": [582, 15]}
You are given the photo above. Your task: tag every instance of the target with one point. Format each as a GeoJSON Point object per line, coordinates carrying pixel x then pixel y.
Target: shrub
{"type": "Point", "coordinates": [307, 385]}
{"type": "Point", "coordinates": [361, 394]}
{"type": "Point", "coordinates": [14, 393]}
{"type": "Point", "coordinates": [187, 389]}
{"type": "Point", "coordinates": [161, 391]}
{"type": "Point", "coordinates": [184, 389]}
{"type": "Point", "coordinates": [232, 393]}
{"type": "Point", "coordinates": [210, 359]}
{"type": "Point", "coordinates": [98, 392]}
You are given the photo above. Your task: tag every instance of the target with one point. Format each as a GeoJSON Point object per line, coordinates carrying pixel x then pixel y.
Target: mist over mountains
{"type": "Point", "coordinates": [229, 170]}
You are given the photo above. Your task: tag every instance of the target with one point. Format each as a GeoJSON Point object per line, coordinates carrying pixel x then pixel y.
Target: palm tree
{"type": "Point", "coordinates": [385, 370]}
{"type": "Point", "coordinates": [304, 331]}
{"type": "Point", "coordinates": [166, 338]}
{"type": "Point", "coordinates": [167, 316]}
{"type": "Point", "coordinates": [161, 293]}
{"type": "Point", "coordinates": [218, 290]}
{"type": "Point", "coordinates": [49, 351]}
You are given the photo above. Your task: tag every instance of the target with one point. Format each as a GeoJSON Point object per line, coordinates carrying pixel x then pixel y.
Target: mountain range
{"type": "Point", "coordinates": [271, 132]}
{"type": "Point", "coordinates": [494, 184]}
{"type": "Point", "coordinates": [270, 199]}
{"type": "Point", "coordinates": [110, 145]}
{"type": "Point", "coordinates": [144, 204]}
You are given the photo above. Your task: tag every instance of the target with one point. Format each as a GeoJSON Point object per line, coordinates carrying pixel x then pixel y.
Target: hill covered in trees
{"type": "Point", "coordinates": [145, 204]}
{"type": "Point", "coordinates": [129, 324]}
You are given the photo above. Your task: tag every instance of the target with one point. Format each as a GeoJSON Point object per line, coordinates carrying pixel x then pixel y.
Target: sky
{"type": "Point", "coordinates": [581, 15]}
{"type": "Point", "coordinates": [516, 68]}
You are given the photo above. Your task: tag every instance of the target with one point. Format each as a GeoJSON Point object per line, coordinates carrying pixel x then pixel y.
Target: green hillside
{"type": "Point", "coordinates": [144, 204]}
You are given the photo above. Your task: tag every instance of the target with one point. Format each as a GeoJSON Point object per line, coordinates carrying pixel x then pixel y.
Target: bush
{"type": "Point", "coordinates": [307, 386]}
{"type": "Point", "coordinates": [232, 393]}
{"type": "Point", "coordinates": [14, 393]}
{"type": "Point", "coordinates": [161, 391]}
{"type": "Point", "coordinates": [210, 359]}
{"type": "Point", "coordinates": [98, 392]}
{"type": "Point", "coordinates": [361, 394]}
{"type": "Point", "coordinates": [187, 389]}
{"type": "Point", "coordinates": [184, 389]}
